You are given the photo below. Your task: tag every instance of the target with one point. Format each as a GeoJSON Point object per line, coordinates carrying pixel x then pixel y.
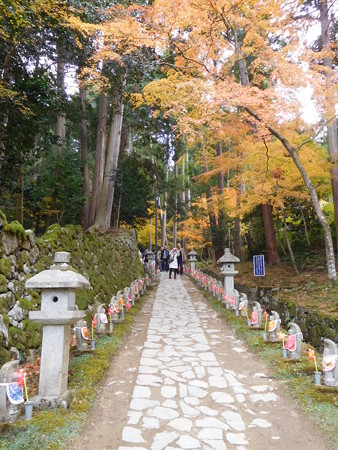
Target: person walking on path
{"type": "Point", "coordinates": [180, 258]}
{"type": "Point", "coordinates": [173, 266]}
{"type": "Point", "coordinates": [164, 259]}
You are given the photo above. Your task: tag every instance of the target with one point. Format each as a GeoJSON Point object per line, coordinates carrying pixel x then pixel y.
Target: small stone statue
{"type": "Point", "coordinates": [140, 286]}
{"type": "Point", "coordinates": [274, 326]}
{"type": "Point", "coordinates": [256, 315]}
{"type": "Point", "coordinates": [243, 304]}
{"type": "Point", "coordinates": [330, 366]}
{"type": "Point", "coordinates": [81, 335]}
{"type": "Point", "coordinates": [8, 376]}
{"type": "Point", "coordinates": [127, 297]}
{"type": "Point", "coordinates": [115, 306]}
{"type": "Point", "coordinates": [294, 341]}
{"type": "Point", "coordinates": [102, 320]}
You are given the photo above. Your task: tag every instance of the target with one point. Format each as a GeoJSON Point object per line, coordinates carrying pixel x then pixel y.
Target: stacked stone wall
{"type": "Point", "coordinates": [109, 261]}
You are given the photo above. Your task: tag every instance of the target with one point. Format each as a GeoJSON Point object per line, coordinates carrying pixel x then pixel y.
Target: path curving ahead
{"type": "Point", "coordinates": [185, 382]}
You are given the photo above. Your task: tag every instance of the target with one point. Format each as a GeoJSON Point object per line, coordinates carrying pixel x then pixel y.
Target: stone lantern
{"type": "Point", "coordinates": [227, 261]}
{"type": "Point", "coordinates": [58, 311]}
{"type": "Point", "coordinates": [192, 259]}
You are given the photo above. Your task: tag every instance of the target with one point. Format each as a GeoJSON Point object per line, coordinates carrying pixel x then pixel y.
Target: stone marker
{"type": "Point", "coordinates": [273, 326]}
{"type": "Point", "coordinates": [227, 261]}
{"type": "Point", "coordinates": [294, 341]}
{"type": "Point", "coordinates": [330, 366]}
{"type": "Point", "coordinates": [58, 312]}
{"type": "Point", "coordinates": [8, 374]}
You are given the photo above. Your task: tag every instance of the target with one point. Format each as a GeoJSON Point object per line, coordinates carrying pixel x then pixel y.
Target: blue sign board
{"type": "Point", "coordinates": [259, 268]}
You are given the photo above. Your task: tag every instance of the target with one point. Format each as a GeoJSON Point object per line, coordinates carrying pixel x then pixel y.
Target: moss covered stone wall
{"type": "Point", "coordinates": [109, 261]}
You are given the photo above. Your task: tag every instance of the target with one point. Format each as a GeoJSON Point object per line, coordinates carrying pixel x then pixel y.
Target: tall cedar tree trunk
{"type": "Point", "coordinates": [19, 204]}
{"type": "Point", "coordinates": [183, 240]}
{"type": "Point", "coordinates": [84, 155]}
{"type": "Point", "coordinates": [60, 83]}
{"type": "Point", "coordinates": [115, 218]}
{"type": "Point", "coordinates": [188, 192]}
{"type": "Point", "coordinates": [221, 218]}
{"type": "Point", "coordinates": [330, 258]}
{"type": "Point", "coordinates": [270, 236]}
{"type": "Point", "coordinates": [163, 216]}
{"type": "Point", "coordinates": [100, 155]}
{"type": "Point", "coordinates": [176, 202]}
{"type": "Point", "coordinates": [208, 195]}
{"type": "Point", "coordinates": [332, 128]}
{"type": "Point", "coordinates": [103, 215]}
{"type": "Point", "coordinates": [6, 79]}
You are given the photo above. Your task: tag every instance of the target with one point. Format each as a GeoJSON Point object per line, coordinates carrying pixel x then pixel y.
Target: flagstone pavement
{"type": "Point", "coordinates": [198, 387]}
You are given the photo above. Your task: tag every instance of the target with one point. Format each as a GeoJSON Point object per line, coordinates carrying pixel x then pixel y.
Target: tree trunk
{"type": "Point", "coordinates": [60, 83]}
{"type": "Point", "coordinates": [175, 212]}
{"type": "Point", "coordinates": [100, 156]}
{"type": "Point", "coordinates": [212, 216]}
{"type": "Point", "coordinates": [188, 192]}
{"type": "Point", "coordinates": [163, 216]}
{"type": "Point", "coordinates": [288, 243]}
{"type": "Point", "coordinates": [330, 258]}
{"type": "Point", "coordinates": [330, 113]}
{"type": "Point", "coordinates": [85, 169]}
{"type": "Point", "coordinates": [19, 209]}
{"type": "Point", "coordinates": [270, 236]}
{"type": "Point", "coordinates": [103, 215]}
{"type": "Point", "coordinates": [305, 228]}
{"type": "Point", "coordinates": [6, 77]}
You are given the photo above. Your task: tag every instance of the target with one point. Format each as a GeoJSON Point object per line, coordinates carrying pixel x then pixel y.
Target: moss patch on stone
{"type": "Point", "coordinates": [15, 228]}
{"type": "Point", "coordinates": [5, 266]}
{"type": "Point", "coordinates": [3, 284]}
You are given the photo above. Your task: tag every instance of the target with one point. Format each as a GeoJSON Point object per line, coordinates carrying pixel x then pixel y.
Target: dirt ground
{"type": "Point", "coordinates": [109, 415]}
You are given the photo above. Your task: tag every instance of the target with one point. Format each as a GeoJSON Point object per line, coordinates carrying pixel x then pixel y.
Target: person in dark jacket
{"type": "Point", "coordinates": [180, 259]}
{"type": "Point", "coordinates": [164, 259]}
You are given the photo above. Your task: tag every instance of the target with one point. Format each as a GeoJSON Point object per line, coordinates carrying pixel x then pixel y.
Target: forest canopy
{"type": "Point", "coordinates": [105, 104]}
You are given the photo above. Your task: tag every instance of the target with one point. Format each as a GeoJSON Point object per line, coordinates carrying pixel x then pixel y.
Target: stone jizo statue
{"type": "Point", "coordinates": [81, 335]}
{"type": "Point", "coordinates": [256, 315]}
{"type": "Point", "coordinates": [294, 341]}
{"type": "Point", "coordinates": [273, 326]}
{"type": "Point", "coordinates": [330, 363]}
{"type": "Point", "coordinates": [102, 319]}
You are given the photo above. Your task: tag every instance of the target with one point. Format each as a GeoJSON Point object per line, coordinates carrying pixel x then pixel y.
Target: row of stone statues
{"type": "Point", "coordinates": [270, 322]}
{"type": "Point", "coordinates": [58, 287]}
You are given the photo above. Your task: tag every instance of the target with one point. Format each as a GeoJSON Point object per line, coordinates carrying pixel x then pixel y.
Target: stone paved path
{"type": "Point", "coordinates": [196, 387]}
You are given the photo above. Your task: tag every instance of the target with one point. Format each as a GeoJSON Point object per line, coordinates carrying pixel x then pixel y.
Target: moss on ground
{"type": "Point", "coordinates": [54, 429]}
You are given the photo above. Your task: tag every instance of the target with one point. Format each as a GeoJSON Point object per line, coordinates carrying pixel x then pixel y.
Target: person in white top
{"type": "Point", "coordinates": [173, 265]}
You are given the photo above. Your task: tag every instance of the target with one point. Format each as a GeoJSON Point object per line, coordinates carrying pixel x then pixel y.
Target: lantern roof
{"type": "Point", "coordinates": [59, 276]}
{"type": "Point", "coordinates": [228, 257]}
